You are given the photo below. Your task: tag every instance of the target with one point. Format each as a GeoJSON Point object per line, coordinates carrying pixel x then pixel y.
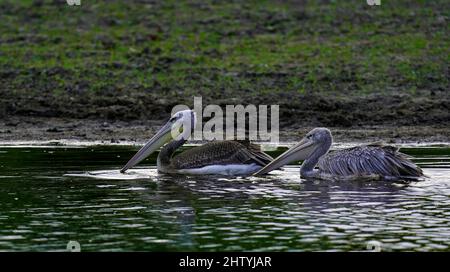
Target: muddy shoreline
{"type": "Point", "coordinates": [112, 71]}
{"type": "Point", "coordinates": [39, 129]}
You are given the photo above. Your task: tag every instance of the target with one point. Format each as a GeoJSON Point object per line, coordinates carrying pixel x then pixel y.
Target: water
{"type": "Point", "coordinates": [52, 195]}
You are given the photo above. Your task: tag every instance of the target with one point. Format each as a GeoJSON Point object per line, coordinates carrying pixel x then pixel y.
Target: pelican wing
{"type": "Point", "coordinates": [221, 153]}
{"type": "Point", "coordinates": [376, 159]}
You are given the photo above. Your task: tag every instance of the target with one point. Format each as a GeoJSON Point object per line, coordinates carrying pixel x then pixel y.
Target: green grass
{"type": "Point", "coordinates": [224, 49]}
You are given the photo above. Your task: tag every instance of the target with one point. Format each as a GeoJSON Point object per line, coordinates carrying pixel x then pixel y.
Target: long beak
{"type": "Point", "coordinates": [300, 151]}
{"type": "Point", "coordinates": [158, 140]}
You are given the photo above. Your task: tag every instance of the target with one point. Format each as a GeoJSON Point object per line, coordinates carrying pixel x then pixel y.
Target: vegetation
{"type": "Point", "coordinates": [332, 63]}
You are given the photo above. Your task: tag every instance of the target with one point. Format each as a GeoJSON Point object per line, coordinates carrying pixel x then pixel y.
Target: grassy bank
{"type": "Point", "coordinates": [330, 63]}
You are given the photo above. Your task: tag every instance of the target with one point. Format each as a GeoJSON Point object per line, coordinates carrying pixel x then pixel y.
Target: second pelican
{"type": "Point", "coordinates": [233, 158]}
{"type": "Point", "coordinates": [365, 162]}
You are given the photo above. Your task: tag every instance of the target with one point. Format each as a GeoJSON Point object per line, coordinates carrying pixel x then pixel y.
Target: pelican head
{"type": "Point", "coordinates": [316, 142]}
{"type": "Point", "coordinates": [179, 127]}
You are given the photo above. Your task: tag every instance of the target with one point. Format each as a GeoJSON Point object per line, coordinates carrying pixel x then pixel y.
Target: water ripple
{"type": "Point", "coordinates": [44, 207]}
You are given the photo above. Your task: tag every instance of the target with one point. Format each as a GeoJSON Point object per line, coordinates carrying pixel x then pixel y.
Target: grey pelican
{"type": "Point", "coordinates": [368, 162]}
{"type": "Point", "coordinates": [234, 158]}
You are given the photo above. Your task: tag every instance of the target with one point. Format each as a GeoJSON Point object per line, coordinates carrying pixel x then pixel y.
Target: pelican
{"type": "Point", "coordinates": [231, 158]}
{"type": "Point", "coordinates": [368, 162]}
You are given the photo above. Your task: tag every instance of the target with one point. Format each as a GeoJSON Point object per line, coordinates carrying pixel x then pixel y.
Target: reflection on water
{"type": "Point", "coordinates": [53, 195]}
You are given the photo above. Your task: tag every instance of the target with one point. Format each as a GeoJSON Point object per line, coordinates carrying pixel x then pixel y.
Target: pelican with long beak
{"type": "Point", "coordinates": [233, 158]}
{"type": "Point", "coordinates": [368, 162]}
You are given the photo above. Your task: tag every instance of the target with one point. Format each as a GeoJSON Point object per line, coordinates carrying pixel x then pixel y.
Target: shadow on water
{"type": "Point", "coordinates": [51, 195]}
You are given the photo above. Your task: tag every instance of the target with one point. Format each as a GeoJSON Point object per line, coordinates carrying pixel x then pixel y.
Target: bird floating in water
{"type": "Point", "coordinates": [231, 158]}
{"type": "Point", "coordinates": [366, 162]}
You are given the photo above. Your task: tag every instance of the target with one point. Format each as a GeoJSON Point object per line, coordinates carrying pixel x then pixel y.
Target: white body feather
{"type": "Point", "coordinates": [225, 170]}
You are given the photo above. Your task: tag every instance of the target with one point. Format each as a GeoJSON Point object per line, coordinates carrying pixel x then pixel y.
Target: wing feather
{"type": "Point", "coordinates": [376, 159]}
{"type": "Point", "coordinates": [221, 153]}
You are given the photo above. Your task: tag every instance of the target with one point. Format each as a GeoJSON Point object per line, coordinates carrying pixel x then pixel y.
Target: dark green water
{"type": "Point", "coordinates": [42, 208]}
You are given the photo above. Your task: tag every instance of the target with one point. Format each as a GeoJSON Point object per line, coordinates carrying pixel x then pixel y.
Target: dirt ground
{"type": "Point", "coordinates": [112, 70]}
{"type": "Point", "coordinates": [120, 132]}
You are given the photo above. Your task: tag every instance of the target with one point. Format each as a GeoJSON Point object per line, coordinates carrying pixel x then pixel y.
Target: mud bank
{"type": "Point", "coordinates": [113, 70]}
{"type": "Point", "coordinates": [126, 132]}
